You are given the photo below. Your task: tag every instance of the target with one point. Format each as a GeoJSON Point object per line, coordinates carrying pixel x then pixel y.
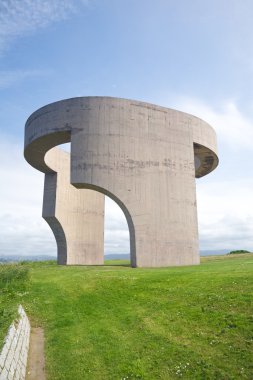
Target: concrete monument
{"type": "Point", "coordinates": [145, 157]}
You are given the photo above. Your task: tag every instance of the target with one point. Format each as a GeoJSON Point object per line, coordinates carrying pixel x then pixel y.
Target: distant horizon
{"type": "Point", "coordinates": [107, 255]}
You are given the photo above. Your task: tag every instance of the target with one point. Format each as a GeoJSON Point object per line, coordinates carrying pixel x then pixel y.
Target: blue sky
{"type": "Point", "coordinates": [195, 56]}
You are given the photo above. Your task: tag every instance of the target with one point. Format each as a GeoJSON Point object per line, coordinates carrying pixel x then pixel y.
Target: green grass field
{"type": "Point", "coordinates": [116, 322]}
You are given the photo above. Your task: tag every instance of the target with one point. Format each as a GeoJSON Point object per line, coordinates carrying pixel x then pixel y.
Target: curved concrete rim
{"type": "Point", "coordinates": [36, 149]}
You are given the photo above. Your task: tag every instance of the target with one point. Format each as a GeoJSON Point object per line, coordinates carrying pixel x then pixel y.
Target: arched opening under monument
{"type": "Point", "coordinates": [117, 221]}
{"type": "Point", "coordinates": [116, 232]}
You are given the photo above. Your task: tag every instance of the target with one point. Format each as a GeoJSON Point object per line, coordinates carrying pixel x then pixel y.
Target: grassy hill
{"type": "Point", "coordinates": [115, 322]}
{"type": "Point", "coordinates": [14, 282]}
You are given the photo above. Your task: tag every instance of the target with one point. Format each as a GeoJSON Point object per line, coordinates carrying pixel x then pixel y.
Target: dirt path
{"type": "Point", "coordinates": [36, 360]}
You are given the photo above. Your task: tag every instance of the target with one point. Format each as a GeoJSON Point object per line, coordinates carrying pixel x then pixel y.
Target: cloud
{"type": "Point", "coordinates": [233, 128]}
{"type": "Point", "coordinates": [18, 18]}
{"type": "Point", "coordinates": [225, 214]}
{"type": "Point", "coordinates": [8, 78]}
{"type": "Point", "coordinates": [23, 231]}
{"type": "Point", "coordinates": [116, 229]}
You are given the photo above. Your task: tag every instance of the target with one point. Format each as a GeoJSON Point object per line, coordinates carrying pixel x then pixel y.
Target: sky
{"type": "Point", "coordinates": [194, 56]}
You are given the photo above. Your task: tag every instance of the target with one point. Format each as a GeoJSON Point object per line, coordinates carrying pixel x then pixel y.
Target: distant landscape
{"type": "Point", "coordinates": [113, 256]}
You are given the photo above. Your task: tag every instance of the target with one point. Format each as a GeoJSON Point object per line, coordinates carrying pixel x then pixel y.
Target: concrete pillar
{"type": "Point", "coordinates": [76, 217]}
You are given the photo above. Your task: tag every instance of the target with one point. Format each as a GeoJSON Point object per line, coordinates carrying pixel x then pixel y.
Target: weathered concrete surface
{"type": "Point", "coordinates": [143, 156]}
{"type": "Point", "coordinates": [75, 217]}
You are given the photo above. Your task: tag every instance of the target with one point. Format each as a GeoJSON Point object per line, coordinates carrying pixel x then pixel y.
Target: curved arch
{"type": "Point", "coordinates": [125, 211]}
{"type": "Point", "coordinates": [60, 238]}
{"type": "Point", "coordinates": [58, 161]}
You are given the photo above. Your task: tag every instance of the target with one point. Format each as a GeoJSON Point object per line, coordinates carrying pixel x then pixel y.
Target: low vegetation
{"type": "Point", "coordinates": [115, 322]}
{"type": "Point", "coordinates": [14, 280]}
{"type": "Point", "coordinates": [238, 252]}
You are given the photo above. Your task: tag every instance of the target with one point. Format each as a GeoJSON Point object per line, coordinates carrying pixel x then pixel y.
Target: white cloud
{"type": "Point", "coordinates": [23, 231]}
{"type": "Point", "coordinates": [225, 214]}
{"type": "Point", "coordinates": [116, 229]}
{"type": "Point", "coordinates": [8, 78]}
{"type": "Point", "coordinates": [21, 17]}
{"type": "Point", "coordinates": [233, 128]}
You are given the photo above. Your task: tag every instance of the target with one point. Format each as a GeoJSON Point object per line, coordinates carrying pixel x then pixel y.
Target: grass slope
{"type": "Point", "coordinates": [14, 280]}
{"type": "Point", "coordinates": [115, 322]}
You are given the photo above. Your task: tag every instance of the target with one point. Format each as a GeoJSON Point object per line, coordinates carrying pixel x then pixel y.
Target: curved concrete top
{"type": "Point", "coordinates": [58, 122]}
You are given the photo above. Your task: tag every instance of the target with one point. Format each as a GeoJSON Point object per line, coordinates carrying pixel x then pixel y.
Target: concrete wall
{"type": "Point", "coordinates": [13, 358]}
{"type": "Point", "coordinates": [75, 217]}
{"type": "Point", "coordinates": [143, 156]}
